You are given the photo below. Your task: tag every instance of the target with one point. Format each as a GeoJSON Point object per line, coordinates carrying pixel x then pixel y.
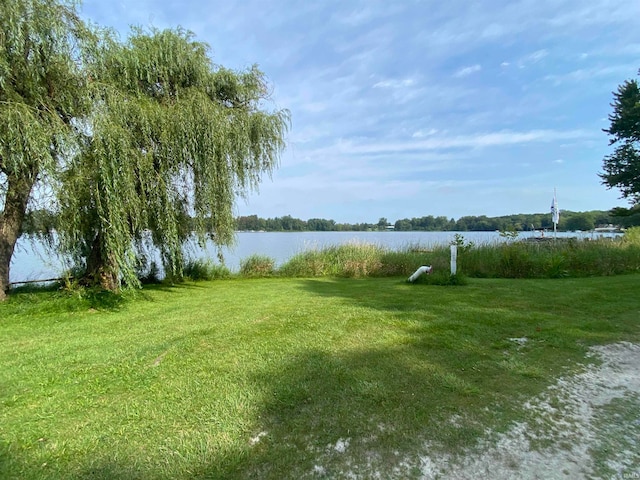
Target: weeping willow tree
{"type": "Point", "coordinates": [42, 90]}
{"type": "Point", "coordinates": [171, 143]}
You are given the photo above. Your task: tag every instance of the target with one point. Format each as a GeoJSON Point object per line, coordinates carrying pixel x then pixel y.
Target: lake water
{"type": "Point", "coordinates": [31, 261]}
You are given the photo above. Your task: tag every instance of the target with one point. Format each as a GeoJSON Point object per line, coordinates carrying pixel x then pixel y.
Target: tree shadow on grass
{"type": "Point", "coordinates": [396, 294]}
{"type": "Point", "coordinates": [54, 299]}
{"type": "Point", "coordinates": [330, 414]}
{"type": "Point", "coordinates": [362, 414]}
{"type": "Point", "coordinates": [318, 409]}
{"type": "Point", "coordinates": [375, 412]}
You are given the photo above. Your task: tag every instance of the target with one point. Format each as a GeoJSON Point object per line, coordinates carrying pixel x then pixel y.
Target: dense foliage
{"type": "Point", "coordinates": [43, 221]}
{"type": "Point", "coordinates": [143, 142]}
{"type": "Point", "coordinates": [570, 221]}
{"type": "Point", "coordinates": [172, 141]}
{"type": "Point", "coordinates": [42, 89]}
{"type": "Point", "coordinates": [622, 168]}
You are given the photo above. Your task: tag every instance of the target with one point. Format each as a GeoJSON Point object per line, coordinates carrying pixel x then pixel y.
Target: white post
{"type": "Point", "coordinates": [454, 259]}
{"type": "Point", "coordinates": [555, 217]}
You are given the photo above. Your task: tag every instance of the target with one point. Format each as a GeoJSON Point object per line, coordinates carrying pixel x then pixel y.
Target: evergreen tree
{"type": "Point", "coordinates": [622, 168]}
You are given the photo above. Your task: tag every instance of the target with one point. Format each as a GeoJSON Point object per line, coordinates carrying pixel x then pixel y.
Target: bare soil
{"type": "Point", "coordinates": [585, 426]}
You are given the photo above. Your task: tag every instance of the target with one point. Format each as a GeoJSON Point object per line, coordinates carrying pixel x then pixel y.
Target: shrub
{"type": "Point", "coordinates": [205, 269]}
{"type": "Point", "coordinates": [401, 263]}
{"type": "Point", "coordinates": [462, 243]}
{"type": "Point", "coordinates": [556, 266]}
{"type": "Point", "coordinates": [348, 260]}
{"type": "Point", "coordinates": [359, 259]}
{"type": "Point", "coordinates": [257, 266]}
{"type": "Point", "coordinates": [553, 258]}
{"type": "Point", "coordinates": [516, 261]}
{"type": "Point", "coordinates": [632, 236]}
{"type": "Point", "coordinates": [311, 263]}
{"type": "Point", "coordinates": [481, 261]}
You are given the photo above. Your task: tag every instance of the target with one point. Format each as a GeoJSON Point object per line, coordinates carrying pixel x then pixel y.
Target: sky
{"type": "Point", "coordinates": [409, 108]}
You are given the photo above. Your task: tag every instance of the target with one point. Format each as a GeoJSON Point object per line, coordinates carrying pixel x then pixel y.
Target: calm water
{"type": "Point", "coordinates": [31, 262]}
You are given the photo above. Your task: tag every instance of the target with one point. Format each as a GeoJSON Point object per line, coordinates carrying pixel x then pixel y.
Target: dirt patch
{"type": "Point", "coordinates": [585, 426]}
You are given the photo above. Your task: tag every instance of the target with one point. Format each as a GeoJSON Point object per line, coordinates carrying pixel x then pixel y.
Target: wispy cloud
{"type": "Point", "coordinates": [532, 58]}
{"type": "Point", "coordinates": [389, 97]}
{"type": "Point", "coordinates": [364, 14]}
{"type": "Point", "coordinates": [395, 83]}
{"type": "Point", "coordinates": [424, 133]}
{"type": "Point", "coordinates": [466, 71]}
{"type": "Point", "coordinates": [479, 140]}
{"type": "Point", "coordinates": [614, 72]}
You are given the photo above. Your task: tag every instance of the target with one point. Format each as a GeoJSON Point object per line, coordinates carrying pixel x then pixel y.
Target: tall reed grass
{"type": "Point", "coordinates": [205, 269]}
{"type": "Point", "coordinates": [353, 260]}
{"type": "Point", "coordinates": [257, 266]}
{"type": "Point", "coordinates": [514, 259]}
{"type": "Point", "coordinates": [552, 258]}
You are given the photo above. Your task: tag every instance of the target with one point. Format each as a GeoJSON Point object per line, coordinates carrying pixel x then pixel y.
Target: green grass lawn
{"type": "Point", "coordinates": [274, 378]}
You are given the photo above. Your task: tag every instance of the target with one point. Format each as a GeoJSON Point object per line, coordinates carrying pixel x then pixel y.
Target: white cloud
{"type": "Point", "coordinates": [466, 71]}
{"type": "Point", "coordinates": [617, 73]}
{"type": "Point", "coordinates": [424, 133]}
{"type": "Point", "coordinates": [532, 58]}
{"type": "Point", "coordinates": [536, 56]}
{"type": "Point", "coordinates": [315, 107]}
{"type": "Point", "coordinates": [584, 15]}
{"type": "Point", "coordinates": [395, 83]}
{"type": "Point", "coordinates": [479, 140]}
{"type": "Point", "coordinates": [361, 15]}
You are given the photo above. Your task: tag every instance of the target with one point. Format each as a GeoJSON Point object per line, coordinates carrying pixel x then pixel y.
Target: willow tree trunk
{"type": "Point", "coordinates": [101, 269]}
{"type": "Point", "coordinates": [15, 205]}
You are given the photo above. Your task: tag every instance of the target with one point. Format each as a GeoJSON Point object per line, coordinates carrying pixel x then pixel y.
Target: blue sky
{"type": "Point", "coordinates": [410, 108]}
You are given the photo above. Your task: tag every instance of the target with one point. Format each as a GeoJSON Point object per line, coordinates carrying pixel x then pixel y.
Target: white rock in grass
{"type": "Point", "coordinates": [257, 438]}
{"type": "Point", "coordinates": [319, 470]}
{"type": "Point", "coordinates": [341, 445]}
{"type": "Point", "coordinates": [520, 341]}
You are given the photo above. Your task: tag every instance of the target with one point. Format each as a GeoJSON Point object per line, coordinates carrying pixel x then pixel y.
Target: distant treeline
{"type": "Point", "coordinates": [41, 221]}
{"type": "Point", "coordinates": [570, 221]}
